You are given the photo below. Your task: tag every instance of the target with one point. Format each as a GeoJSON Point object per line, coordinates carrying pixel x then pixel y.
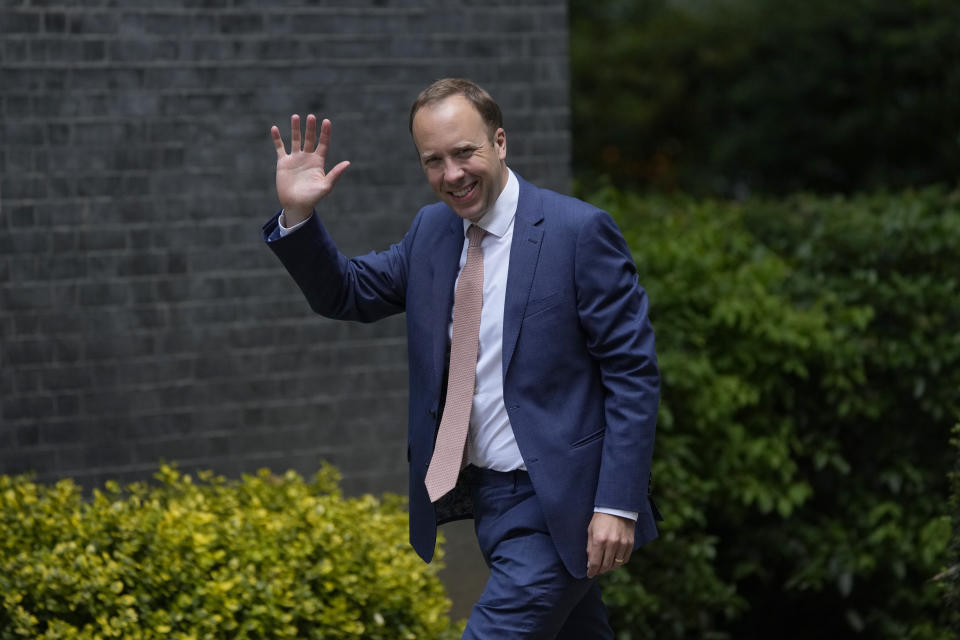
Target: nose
{"type": "Point", "coordinates": [452, 171]}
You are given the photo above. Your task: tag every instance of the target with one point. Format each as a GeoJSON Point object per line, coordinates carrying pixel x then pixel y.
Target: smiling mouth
{"type": "Point", "coordinates": [463, 193]}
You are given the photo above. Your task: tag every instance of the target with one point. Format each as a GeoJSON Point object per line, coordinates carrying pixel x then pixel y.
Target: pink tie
{"type": "Point", "coordinates": [448, 453]}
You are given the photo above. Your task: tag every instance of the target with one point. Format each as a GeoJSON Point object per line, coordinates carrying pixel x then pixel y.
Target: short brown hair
{"type": "Point", "coordinates": [446, 87]}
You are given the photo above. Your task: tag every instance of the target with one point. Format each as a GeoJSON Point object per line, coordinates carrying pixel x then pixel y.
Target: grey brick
{"type": "Point", "coordinates": [93, 22]}
{"type": "Point", "coordinates": [54, 49]}
{"type": "Point", "coordinates": [93, 50]}
{"type": "Point", "coordinates": [60, 433]}
{"type": "Point", "coordinates": [27, 382]}
{"type": "Point", "coordinates": [70, 459]}
{"type": "Point", "coordinates": [21, 215]}
{"type": "Point", "coordinates": [241, 23]}
{"type": "Point", "coordinates": [27, 408]}
{"type": "Point", "coordinates": [142, 50]}
{"type": "Point", "coordinates": [20, 22]}
{"type": "Point", "coordinates": [68, 405]}
{"type": "Point", "coordinates": [65, 267]}
{"type": "Point", "coordinates": [25, 298]}
{"type": "Point", "coordinates": [17, 461]}
{"type": "Point", "coordinates": [107, 454]}
{"type": "Point", "coordinates": [65, 378]}
{"type": "Point", "coordinates": [103, 293]}
{"type": "Point", "coordinates": [168, 24]}
{"type": "Point", "coordinates": [7, 437]}
{"type": "Point", "coordinates": [66, 350]}
{"type": "Point", "coordinates": [17, 106]}
{"type": "Point", "coordinates": [14, 51]}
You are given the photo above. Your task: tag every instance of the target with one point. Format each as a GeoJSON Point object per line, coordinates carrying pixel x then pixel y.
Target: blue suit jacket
{"type": "Point", "coordinates": [580, 378]}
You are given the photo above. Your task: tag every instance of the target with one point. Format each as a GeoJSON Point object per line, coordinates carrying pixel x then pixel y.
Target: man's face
{"type": "Point", "coordinates": [464, 167]}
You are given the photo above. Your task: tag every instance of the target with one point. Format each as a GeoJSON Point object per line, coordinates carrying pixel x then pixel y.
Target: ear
{"type": "Point", "coordinates": [500, 143]}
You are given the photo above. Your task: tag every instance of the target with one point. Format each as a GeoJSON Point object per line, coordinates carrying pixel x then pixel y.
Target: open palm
{"type": "Point", "coordinates": [301, 179]}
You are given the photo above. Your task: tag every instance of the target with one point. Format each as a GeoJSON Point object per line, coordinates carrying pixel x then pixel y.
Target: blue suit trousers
{"type": "Point", "coordinates": [529, 594]}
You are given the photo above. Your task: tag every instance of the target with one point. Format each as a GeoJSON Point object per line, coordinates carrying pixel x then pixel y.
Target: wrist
{"type": "Point", "coordinates": [291, 217]}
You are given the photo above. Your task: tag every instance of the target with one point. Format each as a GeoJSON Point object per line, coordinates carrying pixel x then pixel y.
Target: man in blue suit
{"type": "Point", "coordinates": [563, 398]}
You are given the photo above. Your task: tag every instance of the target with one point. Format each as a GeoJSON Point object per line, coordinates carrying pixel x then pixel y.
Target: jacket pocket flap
{"type": "Point", "coordinates": [596, 435]}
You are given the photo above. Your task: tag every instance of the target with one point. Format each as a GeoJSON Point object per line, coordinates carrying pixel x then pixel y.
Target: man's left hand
{"type": "Point", "coordinates": [609, 543]}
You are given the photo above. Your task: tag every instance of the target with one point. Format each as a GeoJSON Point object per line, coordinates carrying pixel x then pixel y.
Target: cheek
{"type": "Point", "coordinates": [481, 168]}
{"type": "Point", "coordinates": [435, 181]}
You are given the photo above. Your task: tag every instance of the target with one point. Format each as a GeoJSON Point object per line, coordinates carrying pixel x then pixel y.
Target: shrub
{"type": "Point", "coordinates": [951, 576]}
{"type": "Point", "coordinates": [810, 362]}
{"type": "Point", "coordinates": [265, 557]}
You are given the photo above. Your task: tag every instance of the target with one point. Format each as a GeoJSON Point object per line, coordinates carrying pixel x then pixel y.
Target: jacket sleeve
{"type": "Point", "coordinates": [365, 288]}
{"type": "Point", "coordinates": [613, 310]}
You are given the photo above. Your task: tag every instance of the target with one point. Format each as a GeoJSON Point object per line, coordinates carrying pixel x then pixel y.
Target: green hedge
{"type": "Point", "coordinates": [810, 356]}
{"type": "Point", "coordinates": [951, 576]}
{"type": "Point", "coordinates": [265, 557]}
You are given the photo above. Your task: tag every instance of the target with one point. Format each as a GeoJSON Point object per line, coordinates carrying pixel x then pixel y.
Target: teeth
{"type": "Point", "coordinates": [464, 192]}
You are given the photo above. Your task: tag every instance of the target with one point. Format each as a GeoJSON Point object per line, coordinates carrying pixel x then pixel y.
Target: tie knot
{"type": "Point", "coordinates": [475, 235]}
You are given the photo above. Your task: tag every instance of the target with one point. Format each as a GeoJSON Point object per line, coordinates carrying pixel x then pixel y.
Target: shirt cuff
{"type": "Point", "coordinates": [632, 515]}
{"type": "Point", "coordinates": [284, 231]}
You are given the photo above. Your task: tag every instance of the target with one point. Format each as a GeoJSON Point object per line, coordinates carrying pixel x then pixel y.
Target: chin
{"type": "Point", "coordinates": [469, 213]}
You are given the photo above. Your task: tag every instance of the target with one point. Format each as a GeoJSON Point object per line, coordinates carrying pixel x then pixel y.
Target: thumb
{"type": "Point", "coordinates": [334, 174]}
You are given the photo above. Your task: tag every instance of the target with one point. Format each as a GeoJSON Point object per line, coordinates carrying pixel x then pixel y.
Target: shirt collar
{"type": "Point", "coordinates": [497, 220]}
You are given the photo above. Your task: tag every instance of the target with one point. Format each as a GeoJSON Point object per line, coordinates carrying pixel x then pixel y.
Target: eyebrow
{"type": "Point", "coordinates": [457, 147]}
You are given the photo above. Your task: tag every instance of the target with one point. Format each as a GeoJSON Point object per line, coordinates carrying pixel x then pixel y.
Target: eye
{"type": "Point", "coordinates": [431, 162]}
{"type": "Point", "coordinates": [465, 153]}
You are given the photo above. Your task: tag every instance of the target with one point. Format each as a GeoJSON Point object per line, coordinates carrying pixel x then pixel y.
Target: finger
{"type": "Point", "coordinates": [294, 133]}
{"type": "Point", "coordinates": [334, 174]}
{"type": "Point", "coordinates": [311, 138]}
{"type": "Point", "coordinates": [277, 141]}
{"type": "Point", "coordinates": [593, 566]}
{"type": "Point", "coordinates": [609, 553]}
{"type": "Point", "coordinates": [594, 556]}
{"type": "Point", "coordinates": [620, 558]}
{"type": "Point", "coordinates": [324, 140]}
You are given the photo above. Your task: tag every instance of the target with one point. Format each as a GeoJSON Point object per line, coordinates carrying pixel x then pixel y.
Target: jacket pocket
{"type": "Point", "coordinates": [539, 305]}
{"type": "Point", "coordinates": [596, 435]}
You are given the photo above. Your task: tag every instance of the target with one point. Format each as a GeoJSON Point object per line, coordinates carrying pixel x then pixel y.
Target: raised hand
{"type": "Point", "coordinates": [301, 179]}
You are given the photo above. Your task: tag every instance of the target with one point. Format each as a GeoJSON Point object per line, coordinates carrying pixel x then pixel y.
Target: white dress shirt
{"type": "Point", "coordinates": [491, 443]}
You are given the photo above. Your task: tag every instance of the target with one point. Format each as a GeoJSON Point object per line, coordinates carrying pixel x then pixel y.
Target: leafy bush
{"type": "Point", "coordinates": [752, 96]}
{"type": "Point", "coordinates": [266, 557]}
{"type": "Point", "coordinates": [951, 576]}
{"type": "Point", "coordinates": [811, 368]}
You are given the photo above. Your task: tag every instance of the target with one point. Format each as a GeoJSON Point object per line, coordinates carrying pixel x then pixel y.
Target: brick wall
{"type": "Point", "coordinates": [141, 316]}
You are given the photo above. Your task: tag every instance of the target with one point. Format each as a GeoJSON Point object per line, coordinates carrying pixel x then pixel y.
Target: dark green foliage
{"type": "Point", "coordinates": [811, 374]}
{"type": "Point", "coordinates": [951, 576]}
{"type": "Point", "coordinates": [735, 97]}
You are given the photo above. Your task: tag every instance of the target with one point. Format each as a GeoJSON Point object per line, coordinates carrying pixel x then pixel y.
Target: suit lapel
{"type": "Point", "coordinates": [446, 264]}
{"type": "Point", "coordinates": [524, 253]}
